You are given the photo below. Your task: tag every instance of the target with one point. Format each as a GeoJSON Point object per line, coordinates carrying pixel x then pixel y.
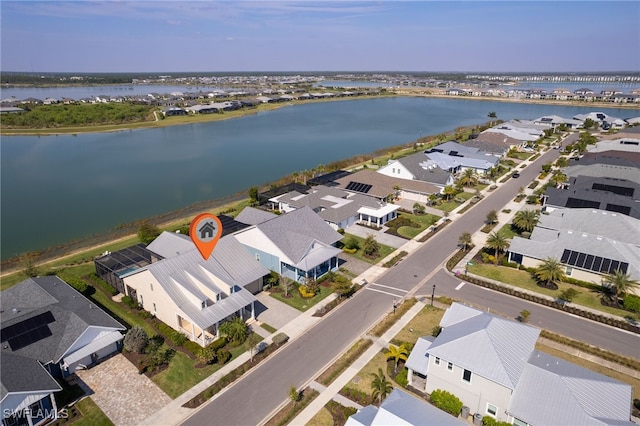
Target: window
{"type": "Point", "coordinates": [466, 376]}
{"type": "Point", "coordinates": [141, 301]}
{"type": "Point", "coordinates": [394, 170]}
{"type": "Point", "coordinates": [450, 366]}
{"type": "Point", "coordinates": [436, 361]}
{"type": "Point", "coordinates": [154, 309]}
{"type": "Point", "coordinates": [568, 271]}
{"type": "Point", "coordinates": [518, 422]}
{"type": "Point", "coordinates": [151, 286]}
{"type": "Point", "coordinates": [258, 257]}
{"type": "Point", "coordinates": [492, 410]}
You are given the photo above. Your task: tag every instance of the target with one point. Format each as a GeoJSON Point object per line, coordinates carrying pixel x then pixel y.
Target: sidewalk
{"type": "Point", "coordinates": [174, 413]}
{"type": "Point", "coordinates": [378, 344]}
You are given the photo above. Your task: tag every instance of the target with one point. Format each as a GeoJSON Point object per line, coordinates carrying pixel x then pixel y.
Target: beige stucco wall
{"type": "Point", "coordinates": [475, 394]}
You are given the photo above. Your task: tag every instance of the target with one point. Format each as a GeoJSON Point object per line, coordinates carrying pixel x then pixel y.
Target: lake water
{"type": "Point", "coordinates": [58, 188]}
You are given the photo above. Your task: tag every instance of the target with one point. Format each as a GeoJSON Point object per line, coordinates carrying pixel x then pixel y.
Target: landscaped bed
{"type": "Point", "coordinates": [408, 225]}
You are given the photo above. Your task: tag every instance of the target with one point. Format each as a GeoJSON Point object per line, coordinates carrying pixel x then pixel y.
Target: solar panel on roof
{"type": "Point", "coordinates": [620, 190]}
{"type": "Point", "coordinates": [592, 263]}
{"type": "Point", "coordinates": [580, 203]}
{"type": "Point", "coordinates": [28, 331]}
{"type": "Point", "coordinates": [618, 209]}
{"type": "Point", "coordinates": [359, 187]}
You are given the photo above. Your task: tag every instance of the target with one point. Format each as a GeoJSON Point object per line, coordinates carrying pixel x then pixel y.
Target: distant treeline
{"type": "Point", "coordinates": [61, 115]}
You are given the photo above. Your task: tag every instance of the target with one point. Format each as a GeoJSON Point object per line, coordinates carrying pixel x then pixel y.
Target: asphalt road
{"type": "Point", "coordinates": [253, 398]}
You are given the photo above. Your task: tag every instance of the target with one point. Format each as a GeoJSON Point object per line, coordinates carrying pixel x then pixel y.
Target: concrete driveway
{"type": "Point", "coordinates": [380, 236]}
{"type": "Point", "coordinates": [125, 396]}
{"type": "Point", "coordinates": [274, 312]}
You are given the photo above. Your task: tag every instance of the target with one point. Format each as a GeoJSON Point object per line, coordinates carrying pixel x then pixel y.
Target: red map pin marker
{"type": "Point", "coordinates": [205, 231]}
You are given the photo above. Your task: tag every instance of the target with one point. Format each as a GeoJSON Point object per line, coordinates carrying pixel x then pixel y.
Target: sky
{"type": "Point", "coordinates": [221, 36]}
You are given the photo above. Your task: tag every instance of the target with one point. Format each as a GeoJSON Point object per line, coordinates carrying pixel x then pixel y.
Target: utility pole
{"type": "Point", "coordinates": [433, 293]}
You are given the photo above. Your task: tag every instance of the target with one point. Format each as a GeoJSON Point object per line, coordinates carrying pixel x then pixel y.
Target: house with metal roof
{"type": "Point", "coordinates": [491, 364]}
{"type": "Point", "coordinates": [338, 207]}
{"type": "Point", "coordinates": [298, 244]}
{"type": "Point", "coordinates": [590, 243]}
{"type": "Point", "coordinates": [402, 408]}
{"type": "Point", "coordinates": [553, 121]}
{"type": "Point", "coordinates": [49, 330]}
{"type": "Point", "coordinates": [194, 295]}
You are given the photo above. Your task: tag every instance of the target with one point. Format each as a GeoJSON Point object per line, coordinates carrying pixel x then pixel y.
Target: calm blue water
{"type": "Point", "coordinates": [58, 188]}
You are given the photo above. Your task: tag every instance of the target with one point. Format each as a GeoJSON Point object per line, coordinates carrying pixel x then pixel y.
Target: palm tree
{"type": "Point", "coordinates": [621, 282]}
{"type": "Point", "coordinates": [550, 272]}
{"type": "Point", "coordinates": [557, 178]}
{"type": "Point", "coordinates": [235, 329]}
{"type": "Point", "coordinates": [468, 178]}
{"type": "Point", "coordinates": [526, 220]}
{"type": "Point", "coordinates": [492, 115]}
{"type": "Point", "coordinates": [465, 240]}
{"type": "Point", "coordinates": [562, 162]}
{"type": "Point", "coordinates": [449, 191]}
{"type": "Point", "coordinates": [498, 242]}
{"type": "Point", "coordinates": [397, 353]}
{"type": "Point", "coordinates": [380, 386]}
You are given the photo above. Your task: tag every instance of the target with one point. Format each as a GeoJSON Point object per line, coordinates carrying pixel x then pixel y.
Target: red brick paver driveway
{"type": "Point", "coordinates": [125, 396]}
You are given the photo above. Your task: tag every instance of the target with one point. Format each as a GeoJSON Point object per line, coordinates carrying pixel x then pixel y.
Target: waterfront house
{"type": "Point", "coordinates": [338, 207]}
{"type": "Point", "coordinates": [195, 295]}
{"type": "Point", "coordinates": [298, 244]}
{"type": "Point", "coordinates": [491, 365]}
{"type": "Point", "coordinates": [49, 330]}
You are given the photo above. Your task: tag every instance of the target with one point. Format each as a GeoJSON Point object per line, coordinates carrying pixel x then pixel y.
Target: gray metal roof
{"type": "Point", "coordinates": [72, 312]}
{"type": "Point", "coordinates": [402, 408]}
{"type": "Point", "coordinates": [170, 244]}
{"type": "Point", "coordinates": [229, 261]}
{"type": "Point", "coordinates": [500, 347]}
{"type": "Point", "coordinates": [418, 359]}
{"type": "Point", "coordinates": [295, 232]}
{"type": "Point", "coordinates": [554, 391]}
{"type": "Point", "coordinates": [415, 164]}
{"type": "Point", "coordinates": [604, 170]}
{"type": "Point", "coordinates": [454, 155]}
{"type": "Point", "coordinates": [253, 216]}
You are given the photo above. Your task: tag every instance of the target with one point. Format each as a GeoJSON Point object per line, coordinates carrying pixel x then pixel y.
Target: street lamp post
{"type": "Point", "coordinates": [433, 293]}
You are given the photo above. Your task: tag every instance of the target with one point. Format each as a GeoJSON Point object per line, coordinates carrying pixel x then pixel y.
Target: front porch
{"type": "Point", "coordinates": [301, 274]}
{"type": "Point", "coordinates": [379, 216]}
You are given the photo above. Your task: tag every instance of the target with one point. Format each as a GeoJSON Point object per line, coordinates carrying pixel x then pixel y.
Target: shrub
{"type": "Point", "coordinates": [435, 331]}
{"type": "Point", "coordinates": [350, 251]}
{"type": "Point", "coordinates": [305, 292]}
{"type": "Point", "coordinates": [402, 379]}
{"type": "Point", "coordinates": [178, 338]}
{"type": "Point", "coordinates": [490, 421]}
{"type": "Point", "coordinates": [223, 356]}
{"type": "Point", "coordinates": [568, 294]}
{"type": "Point", "coordinates": [78, 284]}
{"type": "Point", "coordinates": [136, 340]}
{"type": "Point", "coordinates": [352, 244]}
{"type": "Point", "coordinates": [206, 355]}
{"type": "Point", "coordinates": [127, 300]}
{"type": "Point", "coordinates": [446, 401]}
{"type": "Point", "coordinates": [631, 303]}
{"type": "Point", "coordinates": [280, 339]}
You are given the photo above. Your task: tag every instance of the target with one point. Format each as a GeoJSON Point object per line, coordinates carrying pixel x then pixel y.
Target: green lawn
{"type": "Point", "coordinates": [508, 231]}
{"type": "Point", "coordinates": [362, 380]}
{"type": "Point", "coordinates": [182, 375]}
{"type": "Point", "coordinates": [524, 280]}
{"type": "Point", "coordinates": [92, 415]}
{"type": "Point", "coordinates": [424, 220]}
{"type": "Point", "coordinates": [382, 253]}
{"type": "Point", "coordinates": [296, 301]}
{"type": "Point", "coordinates": [520, 155]}
{"type": "Point", "coordinates": [450, 205]}
{"type": "Point", "coordinates": [420, 325]}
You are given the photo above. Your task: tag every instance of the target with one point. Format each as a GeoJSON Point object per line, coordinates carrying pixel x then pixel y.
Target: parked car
{"type": "Point", "coordinates": [516, 175]}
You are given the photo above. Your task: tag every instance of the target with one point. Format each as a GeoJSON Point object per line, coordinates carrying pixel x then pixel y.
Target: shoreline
{"type": "Point", "coordinates": [207, 118]}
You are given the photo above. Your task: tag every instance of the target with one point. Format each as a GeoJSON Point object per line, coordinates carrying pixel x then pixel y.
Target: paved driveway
{"type": "Point", "coordinates": [274, 312]}
{"type": "Point", "coordinates": [125, 396]}
{"type": "Point", "coordinates": [380, 236]}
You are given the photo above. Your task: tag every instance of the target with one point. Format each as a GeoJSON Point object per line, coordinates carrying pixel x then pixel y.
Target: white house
{"type": "Point", "coordinates": [491, 364]}
{"type": "Point", "coordinates": [193, 295]}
